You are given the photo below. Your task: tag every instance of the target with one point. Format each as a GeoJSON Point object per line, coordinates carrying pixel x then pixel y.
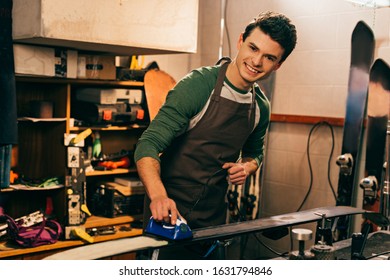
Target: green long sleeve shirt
{"type": "Point", "coordinates": [184, 107]}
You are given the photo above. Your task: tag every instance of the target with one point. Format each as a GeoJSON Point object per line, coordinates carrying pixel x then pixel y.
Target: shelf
{"type": "Point", "coordinates": [9, 250]}
{"type": "Point", "coordinates": [111, 172]}
{"type": "Point", "coordinates": [56, 80]}
{"type": "Point", "coordinates": [31, 119]}
{"type": "Point", "coordinates": [113, 127]}
{"type": "Point", "coordinates": [41, 152]}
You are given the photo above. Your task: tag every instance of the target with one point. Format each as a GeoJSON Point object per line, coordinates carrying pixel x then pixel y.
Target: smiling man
{"type": "Point", "coordinates": [211, 129]}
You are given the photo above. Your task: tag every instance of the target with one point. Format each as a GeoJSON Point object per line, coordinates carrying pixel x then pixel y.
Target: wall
{"type": "Point", "coordinates": [313, 81]}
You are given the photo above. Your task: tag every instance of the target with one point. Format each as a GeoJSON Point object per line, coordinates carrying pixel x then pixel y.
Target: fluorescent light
{"type": "Point", "coordinates": [372, 3]}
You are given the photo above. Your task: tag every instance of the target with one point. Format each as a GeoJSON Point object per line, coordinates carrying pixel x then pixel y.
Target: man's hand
{"type": "Point", "coordinates": [238, 172]}
{"type": "Point", "coordinates": [164, 209]}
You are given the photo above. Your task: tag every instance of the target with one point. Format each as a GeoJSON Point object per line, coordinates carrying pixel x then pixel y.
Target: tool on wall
{"type": "Point", "coordinates": [75, 184]}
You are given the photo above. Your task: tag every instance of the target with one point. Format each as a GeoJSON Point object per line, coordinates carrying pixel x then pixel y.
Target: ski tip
{"type": "Point", "coordinates": [380, 73]}
{"type": "Point", "coordinates": [362, 46]}
{"type": "Point", "coordinates": [362, 26]}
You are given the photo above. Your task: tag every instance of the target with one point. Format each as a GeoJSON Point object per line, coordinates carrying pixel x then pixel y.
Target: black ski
{"type": "Point", "coordinates": [362, 52]}
{"type": "Point", "coordinates": [377, 120]}
{"type": "Point", "coordinates": [221, 232]}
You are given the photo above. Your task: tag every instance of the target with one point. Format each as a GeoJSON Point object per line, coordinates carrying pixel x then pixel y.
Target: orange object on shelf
{"type": "Point", "coordinates": [13, 177]}
{"type": "Point", "coordinates": [123, 162]}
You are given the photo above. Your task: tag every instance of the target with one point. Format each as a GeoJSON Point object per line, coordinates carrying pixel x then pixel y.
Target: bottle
{"type": "Point", "coordinates": [97, 146]}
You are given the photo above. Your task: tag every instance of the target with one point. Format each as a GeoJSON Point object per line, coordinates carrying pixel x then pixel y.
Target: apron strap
{"type": "Point", "coordinates": [220, 80]}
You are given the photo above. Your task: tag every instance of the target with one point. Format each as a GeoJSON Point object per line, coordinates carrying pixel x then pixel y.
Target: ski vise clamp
{"type": "Point", "coordinates": [345, 162]}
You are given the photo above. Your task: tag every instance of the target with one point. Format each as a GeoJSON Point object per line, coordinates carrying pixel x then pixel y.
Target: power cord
{"type": "Point", "coordinates": [242, 218]}
{"type": "Point", "coordinates": [377, 255]}
{"type": "Point", "coordinates": [317, 125]}
{"type": "Point", "coordinates": [203, 191]}
{"type": "Point", "coordinates": [226, 27]}
{"type": "Point", "coordinates": [309, 162]}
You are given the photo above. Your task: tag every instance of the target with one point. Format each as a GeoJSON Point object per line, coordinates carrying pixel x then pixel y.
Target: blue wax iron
{"type": "Point", "coordinates": [179, 231]}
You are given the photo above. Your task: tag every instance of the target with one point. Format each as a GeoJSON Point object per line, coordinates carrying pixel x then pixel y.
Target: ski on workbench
{"type": "Point", "coordinates": [222, 232]}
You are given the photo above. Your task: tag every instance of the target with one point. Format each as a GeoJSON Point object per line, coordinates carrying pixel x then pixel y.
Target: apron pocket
{"type": "Point", "coordinates": [186, 196]}
{"type": "Point", "coordinates": [200, 205]}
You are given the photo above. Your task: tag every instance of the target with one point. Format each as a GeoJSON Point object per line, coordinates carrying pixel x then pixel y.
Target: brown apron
{"type": "Point", "coordinates": [191, 168]}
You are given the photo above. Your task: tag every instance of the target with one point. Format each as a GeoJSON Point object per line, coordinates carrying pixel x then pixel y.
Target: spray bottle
{"type": "Point", "coordinates": [97, 146]}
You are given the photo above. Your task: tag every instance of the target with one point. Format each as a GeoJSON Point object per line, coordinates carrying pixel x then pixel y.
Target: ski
{"type": "Point", "coordinates": [225, 231]}
{"type": "Point", "coordinates": [362, 51]}
{"type": "Point", "coordinates": [377, 121]}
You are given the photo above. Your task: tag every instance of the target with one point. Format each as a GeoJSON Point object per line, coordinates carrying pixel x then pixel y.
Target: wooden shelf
{"type": "Point", "coordinates": [8, 250]}
{"type": "Point", "coordinates": [42, 154]}
{"type": "Point", "coordinates": [112, 128]}
{"type": "Point", "coordinates": [55, 80]}
{"type": "Point", "coordinates": [111, 172]}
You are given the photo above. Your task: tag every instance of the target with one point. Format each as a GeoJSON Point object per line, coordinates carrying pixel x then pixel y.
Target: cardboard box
{"type": "Point", "coordinates": [129, 181]}
{"type": "Point", "coordinates": [96, 95]}
{"type": "Point", "coordinates": [110, 95]}
{"type": "Point", "coordinates": [96, 67]}
{"type": "Point", "coordinates": [45, 61]}
{"type": "Point", "coordinates": [33, 60]}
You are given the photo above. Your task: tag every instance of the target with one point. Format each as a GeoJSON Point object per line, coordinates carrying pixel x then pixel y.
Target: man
{"type": "Point", "coordinates": [208, 133]}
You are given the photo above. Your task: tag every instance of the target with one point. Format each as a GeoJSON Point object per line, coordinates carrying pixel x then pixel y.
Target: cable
{"type": "Point", "coordinates": [311, 179]}
{"type": "Point", "coordinates": [203, 191]}
{"type": "Point", "coordinates": [330, 158]}
{"type": "Point", "coordinates": [377, 255]}
{"type": "Point", "coordinates": [269, 248]}
{"type": "Point", "coordinates": [309, 162]}
{"type": "Point", "coordinates": [226, 28]}
{"type": "Point", "coordinates": [310, 168]}
{"type": "Point", "coordinates": [310, 185]}
{"type": "Point", "coordinates": [257, 238]}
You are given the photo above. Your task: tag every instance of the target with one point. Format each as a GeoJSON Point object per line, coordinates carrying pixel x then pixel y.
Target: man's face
{"type": "Point", "coordinates": [258, 56]}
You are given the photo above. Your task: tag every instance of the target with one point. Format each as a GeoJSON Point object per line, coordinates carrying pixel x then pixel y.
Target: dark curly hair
{"type": "Point", "coordinates": [278, 27]}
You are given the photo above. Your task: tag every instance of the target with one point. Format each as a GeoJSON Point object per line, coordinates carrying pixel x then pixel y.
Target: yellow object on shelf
{"type": "Point", "coordinates": [79, 232]}
{"type": "Point", "coordinates": [135, 65]}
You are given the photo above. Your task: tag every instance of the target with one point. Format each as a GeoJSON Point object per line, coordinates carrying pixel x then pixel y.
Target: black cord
{"type": "Point", "coordinates": [269, 248]}
{"type": "Point", "coordinates": [227, 30]}
{"type": "Point", "coordinates": [257, 238]}
{"type": "Point", "coordinates": [310, 168]}
{"type": "Point", "coordinates": [377, 255]}
{"type": "Point", "coordinates": [309, 162]}
{"type": "Point", "coordinates": [203, 191]}
{"type": "Point", "coordinates": [310, 185]}
{"type": "Point", "coordinates": [330, 159]}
